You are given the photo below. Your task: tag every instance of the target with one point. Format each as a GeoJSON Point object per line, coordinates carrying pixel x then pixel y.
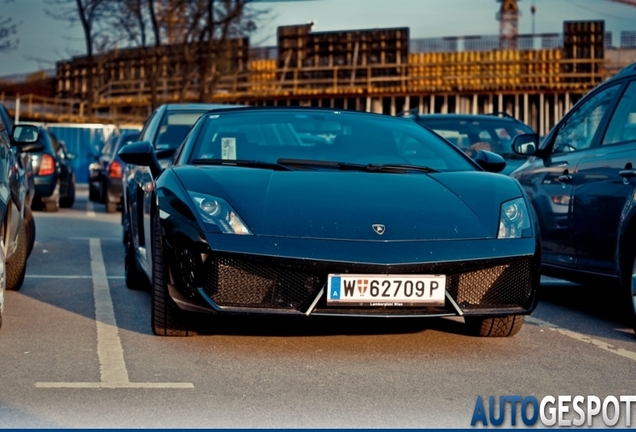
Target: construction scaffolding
{"type": "Point", "coordinates": [380, 70]}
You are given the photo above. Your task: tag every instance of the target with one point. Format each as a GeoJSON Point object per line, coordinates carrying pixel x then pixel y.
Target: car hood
{"type": "Point", "coordinates": [346, 205]}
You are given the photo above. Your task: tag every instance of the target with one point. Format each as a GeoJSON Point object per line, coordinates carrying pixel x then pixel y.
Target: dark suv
{"type": "Point", "coordinates": [474, 132]}
{"type": "Point", "coordinates": [13, 234]}
{"type": "Point", "coordinates": [25, 175]}
{"type": "Point", "coordinates": [582, 183]}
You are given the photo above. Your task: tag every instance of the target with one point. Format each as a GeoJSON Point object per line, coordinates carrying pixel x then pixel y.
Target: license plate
{"type": "Point", "coordinates": [386, 290]}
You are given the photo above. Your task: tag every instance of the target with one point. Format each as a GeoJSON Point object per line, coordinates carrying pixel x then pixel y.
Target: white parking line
{"type": "Point", "coordinates": [583, 338]}
{"type": "Point", "coordinates": [112, 367]}
{"type": "Point", "coordinates": [90, 209]}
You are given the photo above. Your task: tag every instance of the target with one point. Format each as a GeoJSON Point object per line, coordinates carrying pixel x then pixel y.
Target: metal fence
{"type": "Point", "coordinates": [493, 42]}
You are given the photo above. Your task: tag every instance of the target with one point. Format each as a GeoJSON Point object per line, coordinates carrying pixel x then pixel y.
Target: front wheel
{"type": "Point", "coordinates": [504, 326]}
{"type": "Point", "coordinates": [166, 318]}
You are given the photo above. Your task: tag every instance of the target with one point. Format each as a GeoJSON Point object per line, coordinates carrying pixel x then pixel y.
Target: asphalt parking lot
{"type": "Point", "coordinates": [78, 351]}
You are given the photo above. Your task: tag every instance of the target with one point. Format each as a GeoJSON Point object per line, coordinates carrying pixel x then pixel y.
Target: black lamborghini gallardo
{"type": "Point", "coordinates": [312, 211]}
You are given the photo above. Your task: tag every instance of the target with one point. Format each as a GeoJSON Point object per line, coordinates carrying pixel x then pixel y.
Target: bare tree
{"type": "Point", "coordinates": [211, 33]}
{"type": "Point", "coordinates": [195, 42]}
{"type": "Point", "coordinates": [8, 31]}
{"type": "Point", "coordinates": [128, 21]}
{"type": "Point", "coordinates": [226, 21]}
{"type": "Point", "coordinates": [152, 70]}
{"type": "Point", "coordinates": [88, 13]}
{"type": "Point", "coordinates": [190, 44]}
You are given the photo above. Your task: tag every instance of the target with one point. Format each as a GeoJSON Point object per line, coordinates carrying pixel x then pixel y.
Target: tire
{"type": "Point", "coordinates": [30, 223]}
{"type": "Point", "coordinates": [93, 194]}
{"type": "Point", "coordinates": [16, 266]}
{"type": "Point", "coordinates": [111, 207]}
{"type": "Point", "coordinates": [103, 192]}
{"type": "Point", "coordinates": [69, 199]}
{"type": "Point", "coordinates": [135, 279]}
{"type": "Point", "coordinates": [166, 318]}
{"type": "Point", "coordinates": [504, 326]}
{"type": "Point", "coordinates": [3, 269]}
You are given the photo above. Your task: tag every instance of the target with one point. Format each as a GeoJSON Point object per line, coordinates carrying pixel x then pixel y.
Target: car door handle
{"type": "Point", "coordinates": [565, 178]}
{"type": "Point", "coordinates": [627, 173]}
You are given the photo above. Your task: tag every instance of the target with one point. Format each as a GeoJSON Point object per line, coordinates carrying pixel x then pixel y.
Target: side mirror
{"type": "Point", "coordinates": [24, 134]}
{"type": "Point", "coordinates": [525, 144]}
{"type": "Point", "coordinates": [141, 153]}
{"type": "Point", "coordinates": [489, 161]}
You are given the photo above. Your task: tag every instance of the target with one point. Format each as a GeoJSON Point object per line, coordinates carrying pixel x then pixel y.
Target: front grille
{"type": "Point", "coordinates": [508, 285]}
{"type": "Point", "coordinates": [233, 282]}
{"type": "Point", "coordinates": [289, 284]}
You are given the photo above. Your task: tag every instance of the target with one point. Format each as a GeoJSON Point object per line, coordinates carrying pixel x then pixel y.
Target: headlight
{"type": "Point", "coordinates": [514, 220]}
{"type": "Point", "coordinates": [216, 211]}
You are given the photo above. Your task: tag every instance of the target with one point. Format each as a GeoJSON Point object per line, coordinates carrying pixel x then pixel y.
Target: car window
{"type": "Point", "coordinates": [147, 129]}
{"type": "Point", "coordinates": [45, 139]}
{"type": "Point", "coordinates": [122, 142]}
{"type": "Point", "coordinates": [474, 135]}
{"type": "Point", "coordinates": [108, 147]}
{"type": "Point", "coordinates": [324, 136]}
{"type": "Point", "coordinates": [56, 144]}
{"type": "Point", "coordinates": [622, 126]}
{"type": "Point", "coordinates": [174, 127]}
{"type": "Point", "coordinates": [577, 132]}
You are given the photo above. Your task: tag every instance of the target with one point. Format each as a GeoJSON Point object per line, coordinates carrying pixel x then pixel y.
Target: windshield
{"type": "Point", "coordinates": [353, 138]}
{"type": "Point", "coordinates": [174, 127]}
{"type": "Point", "coordinates": [472, 135]}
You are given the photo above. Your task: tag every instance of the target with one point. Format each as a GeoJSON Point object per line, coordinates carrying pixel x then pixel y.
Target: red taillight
{"type": "Point", "coordinates": [47, 165]}
{"type": "Point", "coordinates": [114, 170]}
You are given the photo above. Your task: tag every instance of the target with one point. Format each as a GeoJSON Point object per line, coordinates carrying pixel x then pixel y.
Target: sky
{"type": "Point", "coordinates": [43, 40]}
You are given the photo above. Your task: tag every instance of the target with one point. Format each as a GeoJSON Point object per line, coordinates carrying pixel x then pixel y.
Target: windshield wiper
{"type": "Point", "coordinates": [308, 163]}
{"type": "Point", "coordinates": [242, 163]}
{"type": "Point", "coordinates": [346, 166]}
{"type": "Point", "coordinates": [406, 167]}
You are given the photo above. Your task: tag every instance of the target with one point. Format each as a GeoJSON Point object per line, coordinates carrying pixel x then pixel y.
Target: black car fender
{"type": "Point", "coordinates": [184, 244]}
{"type": "Point", "coordinates": [626, 237]}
